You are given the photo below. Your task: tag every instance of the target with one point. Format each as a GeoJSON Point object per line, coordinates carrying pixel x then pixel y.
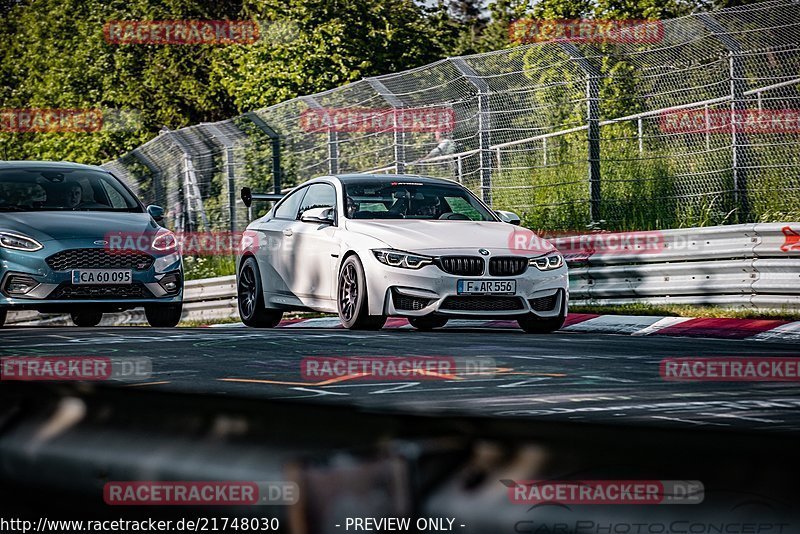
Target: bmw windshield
{"type": "Point", "coordinates": [412, 200]}
{"type": "Point", "coordinates": [59, 189]}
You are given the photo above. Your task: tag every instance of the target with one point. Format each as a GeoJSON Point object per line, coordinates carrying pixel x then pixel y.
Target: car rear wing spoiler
{"type": "Point", "coordinates": [248, 196]}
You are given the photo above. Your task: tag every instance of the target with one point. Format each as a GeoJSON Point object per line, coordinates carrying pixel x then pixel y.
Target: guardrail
{"type": "Point", "coordinates": [755, 266]}
{"type": "Point", "coordinates": [749, 266]}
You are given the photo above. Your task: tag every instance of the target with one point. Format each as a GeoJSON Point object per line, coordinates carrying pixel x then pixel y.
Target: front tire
{"type": "Point", "coordinates": [352, 298]}
{"type": "Point", "coordinates": [427, 323]}
{"type": "Point", "coordinates": [86, 318]}
{"type": "Point", "coordinates": [532, 324]}
{"type": "Point", "coordinates": [163, 316]}
{"type": "Point", "coordinates": [535, 325]}
{"type": "Point", "coordinates": [251, 298]}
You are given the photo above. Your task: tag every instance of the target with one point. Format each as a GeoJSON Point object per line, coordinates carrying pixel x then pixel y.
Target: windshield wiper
{"type": "Point", "coordinates": [12, 208]}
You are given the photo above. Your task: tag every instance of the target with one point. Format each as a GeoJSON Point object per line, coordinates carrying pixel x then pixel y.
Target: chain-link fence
{"type": "Point", "coordinates": [698, 127]}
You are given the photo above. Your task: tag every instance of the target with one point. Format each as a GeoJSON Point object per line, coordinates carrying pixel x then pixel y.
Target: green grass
{"type": "Point", "coordinates": [672, 183]}
{"type": "Point", "coordinates": [198, 267]}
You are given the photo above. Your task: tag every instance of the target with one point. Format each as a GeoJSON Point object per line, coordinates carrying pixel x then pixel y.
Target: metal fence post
{"type": "Point", "coordinates": [333, 137]}
{"type": "Point", "coordinates": [399, 134]}
{"type": "Point", "coordinates": [484, 125]}
{"type": "Point", "coordinates": [155, 171]}
{"type": "Point", "coordinates": [544, 151]}
{"type": "Point", "coordinates": [192, 198]}
{"type": "Point", "coordinates": [275, 139]}
{"type": "Point", "coordinates": [640, 134]}
{"type": "Point", "coordinates": [593, 137]}
{"type": "Point", "coordinates": [593, 74]}
{"type": "Point", "coordinates": [230, 171]}
{"type": "Point", "coordinates": [740, 152]}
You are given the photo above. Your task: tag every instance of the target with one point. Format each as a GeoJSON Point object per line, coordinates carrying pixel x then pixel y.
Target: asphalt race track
{"type": "Point", "coordinates": [558, 377]}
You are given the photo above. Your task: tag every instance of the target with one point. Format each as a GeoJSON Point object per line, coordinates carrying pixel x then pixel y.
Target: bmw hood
{"type": "Point", "coordinates": [432, 236]}
{"type": "Point", "coordinates": [49, 225]}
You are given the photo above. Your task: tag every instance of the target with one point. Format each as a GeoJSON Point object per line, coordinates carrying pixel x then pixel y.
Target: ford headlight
{"type": "Point", "coordinates": [405, 260]}
{"type": "Point", "coordinates": [165, 241]}
{"type": "Point", "coordinates": [19, 242]}
{"type": "Point", "coordinates": [547, 263]}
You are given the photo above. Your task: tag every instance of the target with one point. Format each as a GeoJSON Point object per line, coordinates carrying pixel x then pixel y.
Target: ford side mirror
{"type": "Point", "coordinates": [156, 212]}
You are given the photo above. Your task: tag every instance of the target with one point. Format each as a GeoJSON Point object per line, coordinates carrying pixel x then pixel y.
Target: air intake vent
{"type": "Point", "coordinates": [404, 302]}
{"type": "Point", "coordinates": [543, 304]}
{"type": "Point", "coordinates": [110, 292]}
{"type": "Point", "coordinates": [476, 303]}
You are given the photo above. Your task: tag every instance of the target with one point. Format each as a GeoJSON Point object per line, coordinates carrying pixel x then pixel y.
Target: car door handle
{"type": "Point", "coordinates": [287, 232]}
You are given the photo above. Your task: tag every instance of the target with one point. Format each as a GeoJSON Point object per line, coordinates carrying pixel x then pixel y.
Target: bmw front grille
{"type": "Point", "coordinates": [462, 265]}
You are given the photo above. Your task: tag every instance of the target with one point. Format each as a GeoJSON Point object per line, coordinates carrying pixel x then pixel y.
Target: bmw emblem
{"type": "Point", "coordinates": [483, 251]}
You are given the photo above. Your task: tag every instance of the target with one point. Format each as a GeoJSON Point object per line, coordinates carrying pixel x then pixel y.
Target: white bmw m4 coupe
{"type": "Point", "coordinates": [370, 247]}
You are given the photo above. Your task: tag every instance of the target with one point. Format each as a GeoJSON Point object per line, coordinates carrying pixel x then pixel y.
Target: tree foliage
{"type": "Point", "coordinates": [53, 54]}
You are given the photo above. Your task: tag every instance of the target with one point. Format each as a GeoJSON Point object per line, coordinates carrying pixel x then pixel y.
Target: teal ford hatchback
{"type": "Point", "coordinates": [58, 224]}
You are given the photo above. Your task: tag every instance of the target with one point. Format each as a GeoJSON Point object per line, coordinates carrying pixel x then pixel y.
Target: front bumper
{"type": "Point", "coordinates": [55, 290]}
{"type": "Point", "coordinates": [429, 290]}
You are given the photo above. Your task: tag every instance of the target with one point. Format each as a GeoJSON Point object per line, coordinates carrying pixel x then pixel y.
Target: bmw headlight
{"type": "Point", "coordinates": [19, 242]}
{"type": "Point", "coordinates": [547, 263]}
{"type": "Point", "coordinates": [397, 258]}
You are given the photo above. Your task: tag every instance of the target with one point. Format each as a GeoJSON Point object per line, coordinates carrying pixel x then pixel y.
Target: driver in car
{"type": "Point", "coordinates": [351, 207]}
{"type": "Point", "coordinates": [74, 195]}
{"type": "Point", "coordinates": [427, 207]}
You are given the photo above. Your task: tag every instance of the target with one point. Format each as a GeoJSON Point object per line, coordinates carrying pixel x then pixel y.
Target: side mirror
{"type": "Point", "coordinates": [156, 212]}
{"type": "Point", "coordinates": [247, 196]}
{"type": "Point", "coordinates": [318, 215]}
{"type": "Point", "coordinates": [509, 217]}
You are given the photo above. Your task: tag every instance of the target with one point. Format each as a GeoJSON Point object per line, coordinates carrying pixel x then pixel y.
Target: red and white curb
{"type": "Point", "coordinates": [632, 325]}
